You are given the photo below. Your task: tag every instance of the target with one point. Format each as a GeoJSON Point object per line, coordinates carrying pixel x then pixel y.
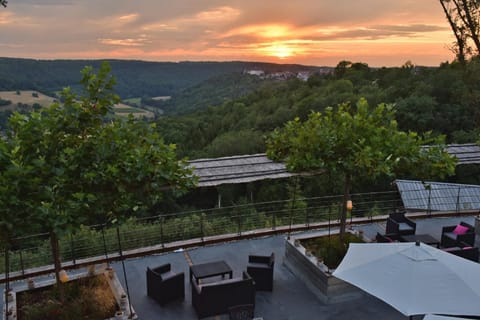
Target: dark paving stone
{"type": "Point", "coordinates": [290, 299]}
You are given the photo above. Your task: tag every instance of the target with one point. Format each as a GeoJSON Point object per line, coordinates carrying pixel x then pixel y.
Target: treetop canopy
{"type": "Point", "coordinates": [358, 140]}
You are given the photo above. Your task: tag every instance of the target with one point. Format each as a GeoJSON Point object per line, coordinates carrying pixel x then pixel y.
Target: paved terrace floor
{"type": "Point", "coordinates": [290, 299]}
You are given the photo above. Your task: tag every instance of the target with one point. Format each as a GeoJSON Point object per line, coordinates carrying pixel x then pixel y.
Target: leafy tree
{"type": "Point", "coordinates": [357, 142]}
{"type": "Point", "coordinates": [75, 168]}
{"type": "Point", "coordinates": [235, 143]}
{"type": "Point", "coordinates": [464, 19]}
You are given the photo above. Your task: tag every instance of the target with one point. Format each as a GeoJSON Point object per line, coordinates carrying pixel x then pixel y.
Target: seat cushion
{"type": "Point", "coordinates": [402, 226]}
{"type": "Point", "coordinates": [451, 249]}
{"type": "Point", "coordinates": [168, 275]}
{"type": "Point", "coordinates": [459, 229]}
{"type": "Point", "coordinates": [451, 235]}
{"type": "Point", "coordinates": [258, 265]}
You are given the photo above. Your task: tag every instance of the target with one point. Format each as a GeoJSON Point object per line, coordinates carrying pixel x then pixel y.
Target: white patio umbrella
{"type": "Point", "coordinates": [415, 279]}
{"type": "Point", "coordinates": [435, 317]}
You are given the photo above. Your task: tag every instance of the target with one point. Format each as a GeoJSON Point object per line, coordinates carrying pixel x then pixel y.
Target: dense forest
{"type": "Point", "coordinates": [212, 92]}
{"type": "Point", "coordinates": [217, 111]}
{"type": "Point", "coordinates": [134, 78]}
{"type": "Point", "coordinates": [443, 100]}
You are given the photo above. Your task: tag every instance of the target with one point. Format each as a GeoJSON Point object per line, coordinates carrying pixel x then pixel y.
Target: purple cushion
{"type": "Point", "coordinates": [459, 229]}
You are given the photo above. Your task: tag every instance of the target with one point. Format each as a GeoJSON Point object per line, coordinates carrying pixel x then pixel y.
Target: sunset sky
{"type": "Point", "coordinates": [312, 32]}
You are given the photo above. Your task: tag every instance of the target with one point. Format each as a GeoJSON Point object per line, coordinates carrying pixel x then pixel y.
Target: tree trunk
{"type": "Point", "coordinates": [459, 36]}
{"type": "Point", "coordinates": [56, 262]}
{"type": "Point", "coordinates": [472, 25]}
{"type": "Point", "coordinates": [346, 197]}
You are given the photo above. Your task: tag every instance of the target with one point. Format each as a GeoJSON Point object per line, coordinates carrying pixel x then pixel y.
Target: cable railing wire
{"type": "Point", "coordinates": [103, 241]}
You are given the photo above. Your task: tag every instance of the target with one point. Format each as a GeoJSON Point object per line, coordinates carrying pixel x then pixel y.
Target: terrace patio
{"type": "Point", "coordinates": [290, 298]}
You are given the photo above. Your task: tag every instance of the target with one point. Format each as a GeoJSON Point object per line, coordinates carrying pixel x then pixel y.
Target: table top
{"type": "Point", "coordinates": [210, 269]}
{"type": "Point", "coordinates": [425, 238]}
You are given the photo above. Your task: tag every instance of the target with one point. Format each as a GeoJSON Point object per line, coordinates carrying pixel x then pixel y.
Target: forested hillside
{"type": "Point", "coordinates": [211, 92]}
{"type": "Point", "coordinates": [444, 100]}
{"type": "Point", "coordinates": [214, 123]}
{"type": "Point", "coordinates": [134, 78]}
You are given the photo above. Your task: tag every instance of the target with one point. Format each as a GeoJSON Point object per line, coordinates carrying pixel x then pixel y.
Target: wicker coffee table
{"type": "Point", "coordinates": [425, 238]}
{"type": "Point", "coordinates": [210, 269]}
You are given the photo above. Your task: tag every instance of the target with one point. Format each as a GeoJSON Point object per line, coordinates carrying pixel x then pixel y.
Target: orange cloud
{"type": "Point", "coordinates": [128, 18]}
{"type": "Point", "coordinates": [310, 31]}
{"type": "Point", "coordinates": [6, 17]}
{"type": "Point", "coordinates": [219, 13]}
{"type": "Point", "coordinates": [261, 30]}
{"type": "Point", "coordinates": [128, 42]}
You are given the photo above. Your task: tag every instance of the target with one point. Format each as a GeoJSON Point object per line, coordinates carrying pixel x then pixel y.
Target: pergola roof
{"type": "Point", "coordinates": [467, 153]}
{"type": "Point", "coordinates": [237, 169]}
{"type": "Point", "coordinates": [254, 167]}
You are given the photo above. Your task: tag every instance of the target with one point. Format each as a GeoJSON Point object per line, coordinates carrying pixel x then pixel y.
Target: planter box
{"type": "Point", "coordinates": [316, 275]}
{"type": "Point", "coordinates": [109, 274]}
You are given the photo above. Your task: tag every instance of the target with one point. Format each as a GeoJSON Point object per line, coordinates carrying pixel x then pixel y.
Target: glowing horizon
{"type": "Point", "coordinates": [305, 32]}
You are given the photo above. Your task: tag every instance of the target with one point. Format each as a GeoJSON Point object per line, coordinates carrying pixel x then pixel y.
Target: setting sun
{"type": "Point", "coordinates": [304, 32]}
{"type": "Point", "coordinates": [278, 49]}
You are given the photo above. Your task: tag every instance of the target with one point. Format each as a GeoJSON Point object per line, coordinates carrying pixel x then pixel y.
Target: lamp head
{"type": "Point", "coordinates": [63, 276]}
{"type": "Point", "coordinates": [349, 205]}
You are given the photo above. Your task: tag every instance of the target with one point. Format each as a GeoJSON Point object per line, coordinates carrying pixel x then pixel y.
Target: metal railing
{"type": "Point", "coordinates": [162, 233]}
{"type": "Point", "coordinates": [103, 241]}
{"type": "Point", "coordinates": [430, 197]}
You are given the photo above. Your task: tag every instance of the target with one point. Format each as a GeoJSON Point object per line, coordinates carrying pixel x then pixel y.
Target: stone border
{"type": "Point", "coordinates": [112, 279]}
{"type": "Point", "coordinates": [316, 275]}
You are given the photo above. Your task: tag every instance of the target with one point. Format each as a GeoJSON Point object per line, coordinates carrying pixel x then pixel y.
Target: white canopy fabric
{"type": "Point", "coordinates": [414, 279]}
{"type": "Point", "coordinates": [435, 317]}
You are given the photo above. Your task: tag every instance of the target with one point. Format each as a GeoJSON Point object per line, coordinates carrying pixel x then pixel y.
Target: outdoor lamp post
{"type": "Point", "coordinates": [63, 276]}
{"type": "Point", "coordinates": [349, 207]}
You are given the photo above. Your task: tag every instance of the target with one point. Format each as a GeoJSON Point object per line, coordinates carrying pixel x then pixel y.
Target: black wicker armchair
{"type": "Point", "coordinates": [260, 268]}
{"type": "Point", "coordinates": [163, 285]}
{"type": "Point", "coordinates": [464, 250]}
{"type": "Point", "coordinates": [385, 238]}
{"type": "Point", "coordinates": [398, 223]}
{"type": "Point", "coordinates": [451, 238]}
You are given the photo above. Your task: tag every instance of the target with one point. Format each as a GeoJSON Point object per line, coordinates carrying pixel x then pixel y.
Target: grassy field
{"type": "Point", "coordinates": [25, 97]}
{"type": "Point", "coordinates": [122, 109]}
{"type": "Point", "coordinates": [30, 97]}
{"type": "Point", "coordinates": [162, 98]}
{"type": "Point", "coordinates": [133, 101]}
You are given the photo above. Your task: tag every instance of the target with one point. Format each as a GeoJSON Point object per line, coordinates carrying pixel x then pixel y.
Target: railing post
{"type": "Point", "coordinates": [307, 217]}
{"type": "Point", "coordinates": [273, 220]}
{"type": "Point", "coordinates": [292, 206]}
{"type": "Point", "coordinates": [351, 215]}
{"type": "Point", "coordinates": [7, 282]}
{"type": "Point", "coordinates": [339, 211]}
{"type": "Point", "coordinates": [239, 224]}
{"type": "Point", "coordinates": [201, 226]}
{"type": "Point", "coordinates": [124, 271]}
{"type": "Point", "coordinates": [22, 266]}
{"type": "Point", "coordinates": [162, 240]}
{"type": "Point", "coordinates": [457, 205]}
{"type": "Point", "coordinates": [72, 249]}
{"type": "Point", "coordinates": [105, 245]}
{"type": "Point", "coordinates": [329, 222]}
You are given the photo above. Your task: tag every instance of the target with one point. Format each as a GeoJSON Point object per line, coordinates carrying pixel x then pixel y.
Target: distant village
{"type": "Point", "coordinates": [284, 75]}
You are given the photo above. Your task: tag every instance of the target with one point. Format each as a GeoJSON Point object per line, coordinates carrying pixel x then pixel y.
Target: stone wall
{"type": "Point", "coordinates": [316, 276]}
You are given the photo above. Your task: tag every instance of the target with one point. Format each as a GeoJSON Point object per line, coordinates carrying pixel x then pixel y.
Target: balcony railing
{"type": "Point", "coordinates": [31, 255]}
